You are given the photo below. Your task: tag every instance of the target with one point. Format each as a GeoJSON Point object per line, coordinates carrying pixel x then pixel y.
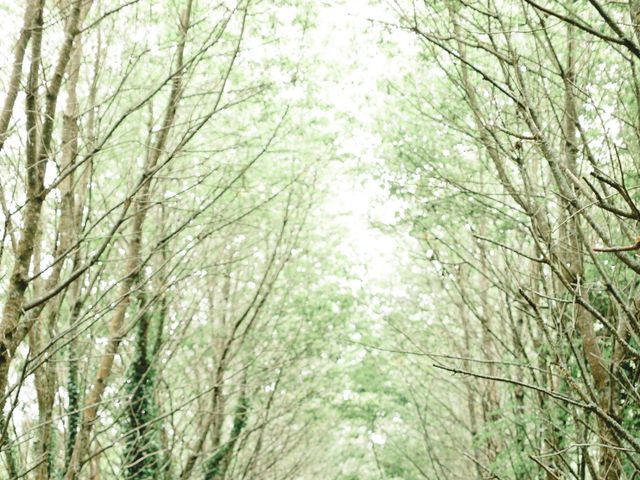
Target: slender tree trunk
{"type": "Point", "coordinates": [609, 464]}
{"type": "Point", "coordinates": [132, 265]}
{"type": "Point", "coordinates": [16, 70]}
{"type": "Point", "coordinates": [37, 153]}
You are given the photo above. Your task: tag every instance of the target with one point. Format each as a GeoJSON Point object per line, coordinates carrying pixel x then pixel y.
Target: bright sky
{"type": "Point", "coordinates": [348, 39]}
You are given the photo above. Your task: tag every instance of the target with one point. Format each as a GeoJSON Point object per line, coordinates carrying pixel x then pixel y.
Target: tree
{"type": "Point", "coordinates": [552, 321]}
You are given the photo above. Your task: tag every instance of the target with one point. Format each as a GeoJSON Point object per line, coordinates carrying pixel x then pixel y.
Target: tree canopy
{"type": "Point", "coordinates": [290, 239]}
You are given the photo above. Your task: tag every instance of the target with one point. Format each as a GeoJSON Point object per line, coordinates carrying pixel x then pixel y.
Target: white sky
{"type": "Point", "coordinates": [348, 39]}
